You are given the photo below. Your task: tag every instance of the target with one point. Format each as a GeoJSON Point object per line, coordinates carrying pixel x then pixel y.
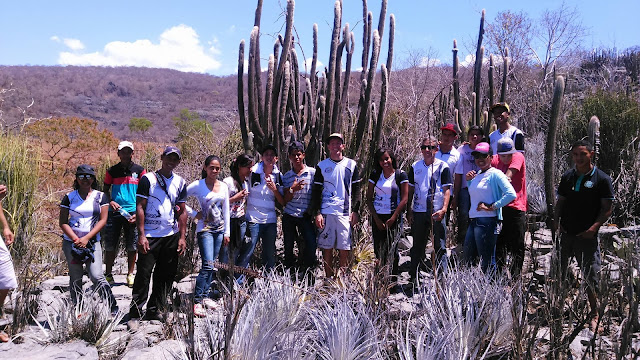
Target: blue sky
{"type": "Point", "coordinates": [203, 36]}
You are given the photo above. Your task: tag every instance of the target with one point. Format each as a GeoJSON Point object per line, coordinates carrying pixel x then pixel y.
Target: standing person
{"type": "Point", "coordinates": [502, 116]}
{"type": "Point", "coordinates": [7, 273]}
{"type": "Point", "coordinates": [121, 185]}
{"type": "Point", "coordinates": [489, 191]}
{"type": "Point", "coordinates": [429, 193]}
{"type": "Point", "coordinates": [83, 213]}
{"type": "Point", "coordinates": [297, 197]}
{"type": "Point", "coordinates": [514, 224]}
{"type": "Point", "coordinates": [387, 197]}
{"type": "Point", "coordinates": [585, 198]}
{"type": "Point", "coordinates": [334, 203]}
{"type": "Point", "coordinates": [446, 151]}
{"type": "Point", "coordinates": [213, 228]}
{"type": "Point", "coordinates": [162, 221]}
{"type": "Point", "coordinates": [239, 249]}
{"type": "Point", "coordinates": [461, 200]}
{"type": "Point", "coordinates": [265, 190]}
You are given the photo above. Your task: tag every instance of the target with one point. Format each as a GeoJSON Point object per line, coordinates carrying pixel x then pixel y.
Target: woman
{"type": "Point", "coordinates": [489, 190]}
{"type": "Point", "coordinates": [213, 228]}
{"type": "Point", "coordinates": [387, 197]}
{"type": "Point", "coordinates": [83, 213]}
{"type": "Point", "coordinates": [238, 249]}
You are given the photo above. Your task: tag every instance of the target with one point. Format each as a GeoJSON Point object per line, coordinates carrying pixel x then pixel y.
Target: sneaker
{"type": "Point", "coordinates": [199, 310]}
{"type": "Point", "coordinates": [133, 324]}
{"type": "Point", "coordinates": [109, 278]}
{"type": "Point", "coordinates": [4, 337]}
{"type": "Point", "coordinates": [209, 303]}
{"type": "Point", "coordinates": [130, 279]}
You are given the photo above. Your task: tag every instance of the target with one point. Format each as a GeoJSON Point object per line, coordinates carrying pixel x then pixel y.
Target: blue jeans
{"type": "Point", "coordinates": [266, 232]}
{"type": "Point", "coordinates": [94, 269]}
{"type": "Point", "coordinates": [420, 230]}
{"type": "Point", "coordinates": [239, 247]}
{"type": "Point", "coordinates": [209, 244]}
{"type": "Point", "coordinates": [481, 240]}
{"type": "Point", "coordinates": [464, 205]}
{"type": "Point", "coordinates": [291, 226]}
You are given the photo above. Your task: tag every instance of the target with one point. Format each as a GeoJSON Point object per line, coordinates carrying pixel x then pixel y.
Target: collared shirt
{"type": "Point", "coordinates": [301, 198]}
{"type": "Point", "coordinates": [124, 184]}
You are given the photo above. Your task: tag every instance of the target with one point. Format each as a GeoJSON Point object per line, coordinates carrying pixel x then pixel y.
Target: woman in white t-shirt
{"type": "Point", "coordinates": [212, 229]}
{"type": "Point", "coordinates": [83, 213]}
{"type": "Point", "coordinates": [387, 197]}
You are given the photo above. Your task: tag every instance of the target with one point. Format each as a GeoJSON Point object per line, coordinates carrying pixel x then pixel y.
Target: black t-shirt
{"type": "Point", "coordinates": [583, 194]}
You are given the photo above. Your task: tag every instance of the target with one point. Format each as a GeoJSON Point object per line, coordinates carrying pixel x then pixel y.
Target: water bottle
{"type": "Point", "coordinates": [124, 213]}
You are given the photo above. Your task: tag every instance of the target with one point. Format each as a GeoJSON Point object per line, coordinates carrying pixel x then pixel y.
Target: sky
{"type": "Point", "coordinates": [203, 36]}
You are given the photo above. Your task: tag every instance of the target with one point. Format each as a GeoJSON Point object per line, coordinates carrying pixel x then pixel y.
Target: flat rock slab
{"type": "Point", "coordinates": [35, 351]}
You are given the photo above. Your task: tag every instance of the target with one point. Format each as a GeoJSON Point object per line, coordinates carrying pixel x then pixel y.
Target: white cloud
{"type": "Point", "coordinates": [470, 60]}
{"type": "Point", "coordinates": [429, 62]}
{"type": "Point", "coordinates": [73, 44]}
{"type": "Point", "coordinates": [307, 64]}
{"type": "Point", "coordinates": [178, 48]}
{"type": "Point", "coordinates": [55, 38]}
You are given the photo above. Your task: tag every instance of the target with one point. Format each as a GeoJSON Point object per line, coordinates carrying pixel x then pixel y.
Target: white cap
{"type": "Point", "coordinates": [124, 144]}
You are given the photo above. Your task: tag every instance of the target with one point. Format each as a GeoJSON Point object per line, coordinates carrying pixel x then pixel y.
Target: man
{"type": "Point", "coordinates": [161, 220]}
{"type": "Point", "coordinates": [502, 116]}
{"type": "Point", "coordinates": [461, 199]}
{"type": "Point", "coordinates": [585, 198]}
{"type": "Point", "coordinates": [265, 189]}
{"type": "Point", "coordinates": [297, 197]}
{"type": "Point", "coordinates": [514, 224]}
{"type": "Point", "coordinates": [121, 185]}
{"type": "Point", "coordinates": [429, 192]}
{"type": "Point", "coordinates": [335, 203]}
{"type": "Point", "coordinates": [446, 151]}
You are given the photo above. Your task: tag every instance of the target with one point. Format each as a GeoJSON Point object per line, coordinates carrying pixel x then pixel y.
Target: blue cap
{"type": "Point", "coordinates": [506, 147]}
{"type": "Point", "coordinates": [172, 150]}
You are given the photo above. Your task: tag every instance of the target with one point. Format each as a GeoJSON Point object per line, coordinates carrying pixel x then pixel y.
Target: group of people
{"type": "Point", "coordinates": [484, 182]}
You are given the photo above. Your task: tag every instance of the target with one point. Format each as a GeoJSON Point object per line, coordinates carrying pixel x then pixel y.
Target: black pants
{"type": "Point", "coordinates": [383, 240]}
{"type": "Point", "coordinates": [511, 240]}
{"type": "Point", "coordinates": [163, 254]}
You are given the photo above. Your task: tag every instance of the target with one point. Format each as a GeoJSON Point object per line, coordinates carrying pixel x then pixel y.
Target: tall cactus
{"type": "Point", "coordinates": [594, 136]}
{"type": "Point", "coordinates": [550, 146]}
{"type": "Point", "coordinates": [477, 72]}
{"type": "Point", "coordinates": [505, 73]}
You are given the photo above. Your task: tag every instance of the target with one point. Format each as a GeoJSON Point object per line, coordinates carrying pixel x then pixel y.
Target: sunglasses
{"type": "Point", "coordinates": [84, 176]}
{"type": "Point", "coordinates": [430, 147]}
{"type": "Point", "coordinates": [480, 156]}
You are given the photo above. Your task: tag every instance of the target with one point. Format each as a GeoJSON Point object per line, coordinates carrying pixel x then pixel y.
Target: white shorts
{"type": "Point", "coordinates": [7, 274]}
{"type": "Point", "coordinates": [336, 233]}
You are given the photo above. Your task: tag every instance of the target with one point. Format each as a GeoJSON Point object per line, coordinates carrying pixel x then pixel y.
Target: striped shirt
{"type": "Point", "coordinates": [301, 198]}
{"type": "Point", "coordinates": [261, 203]}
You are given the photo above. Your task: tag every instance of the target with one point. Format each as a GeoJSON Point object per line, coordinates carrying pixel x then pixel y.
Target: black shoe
{"type": "Point", "coordinates": [153, 315]}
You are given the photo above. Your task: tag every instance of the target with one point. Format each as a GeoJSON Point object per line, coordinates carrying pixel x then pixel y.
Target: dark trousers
{"type": "Point", "coordinates": [385, 245]}
{"type": "Point", "coordinates": [163, 254]}
{"type": "Point", "coordinates": [291, 227]}
{"type": "Point", "coordinates": [421, 230]}
{"type": "Point", "coordinates": [511, 240]}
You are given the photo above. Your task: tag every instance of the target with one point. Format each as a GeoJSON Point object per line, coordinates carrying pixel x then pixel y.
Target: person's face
{"type": "Point", "coordinates": [296, 157]}
{"type": "Point", "coordinates": [506, 159]}
{"type": "Point", "coordinates": [213, 169]}
{"type": "Point", "coordinates": [385, 161]}
{"type": "Point", "coordinates": [428, 150]}
{"type": "Point", "coordinates": [483, 161]}
{"type": "Point", "coordinates": [581, 156]}
{"type": "Point", "coordinates": [269, 157]}
{"type": "Point", "coordinates": [84, 181]}
{"type": "Point", "coordinates": [448, 137]}
{"type": "Point", "coordinates": [500, 115]}
{"type": "Point", "coordinates": [169, 162]}
{"type": "Point", "coordinates": [336, 146]}
{"type": "Point", "coordinates": [244, 171]}
{"type": "Point", "coordinates": [474, 138]}
{"type": "Point", "coordinates": [125, 154]}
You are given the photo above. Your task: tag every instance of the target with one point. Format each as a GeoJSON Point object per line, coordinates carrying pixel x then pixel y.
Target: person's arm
{"type": "Point", "coordinates": [316, 198]}
{"type": "Point", "coordinates": [143, 243]}
{"type": "Point", "coordinates": [7, 234]}
{"type": "Point", "coordinates": [355, 196]}
{"type": "Point", "coordinates": [508, 192]}
{"type": "Point", "coordinates": [227, 217]}
{"type": "Point", "coordinates": [182, 228]}
{"type": "Point", "coordinates": [557, 212]}
{"type": "Point", "coordinates": [104, 211]}
{"type": "Point", "coordinates": [605, 189]}
{"type": "Point", "coordinates": [445, 180]}
{"type": "Point", "coordinates": [371, 188]}
{"type": "Point", "coordinates": [63, 222]}
{"type": "Point", "coordinates": [410, 193]}
{"type": "Point", "coordinates": [271, 185]}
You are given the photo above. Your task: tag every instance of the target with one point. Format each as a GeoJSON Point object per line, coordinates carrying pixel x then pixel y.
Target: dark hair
{"type": "Point", "coordinates": [377, 169]}
{"type": "Point", "coordinates": [430, 139]}
{"type": "Point", "coordinates": [94, 184]}
{"type": "Point", "coordinates": [208, 161]}
{"type": "Point", "coordinates": [477, 128]}
{"type": "Point", "coordinates": [585, 143]}
{"type": "Point", "coordinates": [242, 160]}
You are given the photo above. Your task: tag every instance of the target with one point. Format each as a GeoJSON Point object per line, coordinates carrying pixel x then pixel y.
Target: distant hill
{"type": "Point", "coordinates": [112, 96]}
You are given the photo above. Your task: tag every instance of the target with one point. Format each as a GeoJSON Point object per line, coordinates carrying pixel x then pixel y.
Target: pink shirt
{"type": "Point", "coordinates": [518, 180]}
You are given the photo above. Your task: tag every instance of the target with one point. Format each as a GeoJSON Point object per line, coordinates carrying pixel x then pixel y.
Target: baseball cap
{"type": "Point", "coordinates": [505, 146]}
{"type": "Point", "coordinates": [482, 148]}
{"type": "Point", "coordinates": [85, 169]}
{"type": "Point", "coordinates": [125, 144]}
{"type": "Point", "coordinates": [335, 135]}
{"type": "Point", "coordinates": [499, 105]}
{"type": "Point", "coordinates": [450, 127]}
{"type": "Point", "coordinates": [172, 150]}
{"type": "Point", "coordinates": [296, 145]}
{"type": "Point", "coordinates": [269, 147]}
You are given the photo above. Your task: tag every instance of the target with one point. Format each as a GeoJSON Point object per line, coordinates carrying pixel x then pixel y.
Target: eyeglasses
{"type": "Point", "coordinates": [84, 176]}
{"type": "Point", "coordinates": [430, 147]}
{"type": "Point", "coordinates": [480, 156]}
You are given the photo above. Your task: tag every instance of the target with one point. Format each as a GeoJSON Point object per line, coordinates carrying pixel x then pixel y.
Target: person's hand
{"type": "Point", "coordinates": [297, 185]}
{"type": "Point", "coordinates": [132, 219]}
{"type": "Point", "coordinates": [198, 216]}
{"type": "Point", "coordinates": [354, 218]}
{"type": "Point", "coordinates": [484, 207]}
{"type": "Point", "coordinates": [225, 241]}
{"type": "Point", "coordinates": [182, 245]}
{"type": "Point", "coordinates": [470, 175]}
{"type": "Point", "coordinates": [319, 221]}
{"type": "Point", "coordinates": [439, 215]}
{"type": "Point", "coordinates": [3, 191]}
{"type": "Point", "coordinates": [590, 233]}
{"type": "Point", "coordinates": [114, 205]}
{"type": "Point", "coordinates": [270, 184]}
{"type": "Point", "coordinates": [143, 244]}
{"type": "Point", "coordinates": [7, 235]}
{"type": "Point", "coordinates": [244, 193]}
{"type": "Point", "coordinates": [81, 241]}
{"type": "Point", "coordinates": [379, 224]}
{"type": "Point", "coordinates": [392, 220]}
{"type": "Point", "coordinates": [410, 217]}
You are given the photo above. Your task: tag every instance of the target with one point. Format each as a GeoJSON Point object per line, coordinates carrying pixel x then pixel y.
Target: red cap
{"type": "Point", "coordinates": [450, 127]}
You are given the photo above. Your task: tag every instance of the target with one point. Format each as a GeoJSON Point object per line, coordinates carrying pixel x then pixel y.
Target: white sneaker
{"type": "Point", "coordinates": [210, 303]}
{"type": "Point", "coordinates": [199, 311]}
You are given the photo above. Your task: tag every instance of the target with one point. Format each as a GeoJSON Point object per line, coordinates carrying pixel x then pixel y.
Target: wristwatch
{"type": "Point", "coordinates": [291, 190]}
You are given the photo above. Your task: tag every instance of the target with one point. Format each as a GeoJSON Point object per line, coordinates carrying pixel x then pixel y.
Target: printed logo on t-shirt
{"type": "Point", "coordinates": [588, 184]}
{"type": "Point", "coordinates": [328, 170]}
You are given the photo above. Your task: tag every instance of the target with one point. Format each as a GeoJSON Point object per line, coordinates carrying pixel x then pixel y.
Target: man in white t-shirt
{"type": "Point", "coordinates": [161, 220]}
{"type": "Point", "coordinates": [429, 193]}
{"type": "Point", "coordinates": [446, 151]}
{"type": "Point", "coordinates": [502, 116]}
{"type": "Point", "coordinates": [336, 187]}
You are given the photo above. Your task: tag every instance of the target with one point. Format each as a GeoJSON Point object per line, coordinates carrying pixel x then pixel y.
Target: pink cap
{"type": "Point", "coordinates": [482, 148]}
